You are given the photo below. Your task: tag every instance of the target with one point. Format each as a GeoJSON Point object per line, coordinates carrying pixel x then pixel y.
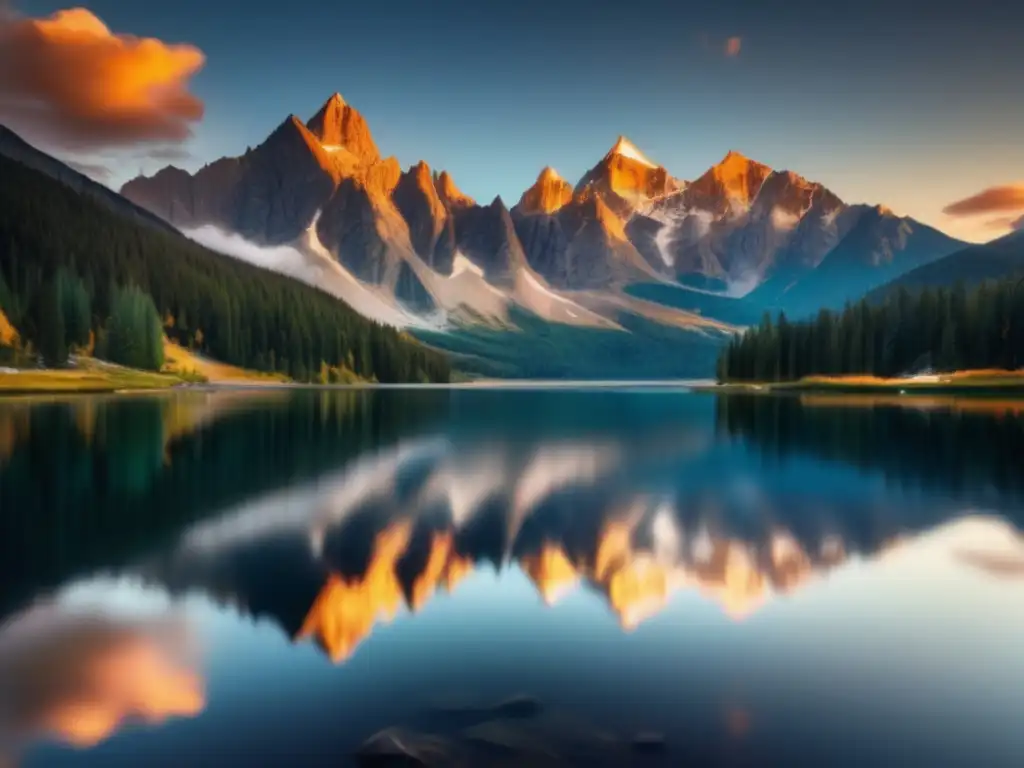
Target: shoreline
{"type": "Point", "coordinates": [957, 383]}
{"type": "Point", "coordinates": [56, 384]}
{"type": "Point", "coordinates": [67, 383]}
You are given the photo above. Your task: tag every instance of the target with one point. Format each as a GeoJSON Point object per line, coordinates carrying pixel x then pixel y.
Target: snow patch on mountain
{"type": "Point", "coordinates": [467, 289]}
{"type": "Point", "coordinates": [533, 295]}
{"type": "Point", "coordinates": [626, 148]}
{"type": "Point", "coordinates": [315, 267]}
{"type": "Point", "coordinates": [830, 218]}
{"type": "Point", "coordinates": [662, 241]}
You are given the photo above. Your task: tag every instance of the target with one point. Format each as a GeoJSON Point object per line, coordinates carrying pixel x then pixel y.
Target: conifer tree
{"type": "Point", "coordinates": [52, 343]}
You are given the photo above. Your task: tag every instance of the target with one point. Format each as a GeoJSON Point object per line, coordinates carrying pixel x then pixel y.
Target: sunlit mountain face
{"type": "Point", "coordinates": [714, 562]}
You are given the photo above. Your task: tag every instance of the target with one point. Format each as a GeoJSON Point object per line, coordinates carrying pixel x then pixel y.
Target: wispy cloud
{"type": "Point", "coordinates": [733, 46]}
{"type": "Point", "coordinates": [1014, 224]}
{"type": "Point", "coordinates": [168, 154]}
{"type": "Point", "coordinates": [1005, 199]}
{"type": "Point", "coordinates": [95, 171]}
{"type": "Point", "coordinates": [69, 82]}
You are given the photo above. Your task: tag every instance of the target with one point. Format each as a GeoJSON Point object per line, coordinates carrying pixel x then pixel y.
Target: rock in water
{"type": "Point", "coordinates": [400, 748]}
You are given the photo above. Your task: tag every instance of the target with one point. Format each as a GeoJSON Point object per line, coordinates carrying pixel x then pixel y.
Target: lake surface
{"type": "Point", "coordinates": [218, 578]}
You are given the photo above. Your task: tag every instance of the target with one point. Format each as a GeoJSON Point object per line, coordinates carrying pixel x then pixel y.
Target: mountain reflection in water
{"type": "Point", "coordinates": [327, 516]}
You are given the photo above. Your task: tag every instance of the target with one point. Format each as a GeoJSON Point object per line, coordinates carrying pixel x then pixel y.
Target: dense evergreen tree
{"type": "Point", "coordinates": [6, 299]}
{"type": "Point", "coordinates": [134, 336]}
{"type": "Point", "coordinates": [52, 342]}
{"type": "Point", "coordinates": [75, 307]}
{"type": "Point", "coordinates": [222, 307]}
{"type": "Point", "coordinates": [939, 329]}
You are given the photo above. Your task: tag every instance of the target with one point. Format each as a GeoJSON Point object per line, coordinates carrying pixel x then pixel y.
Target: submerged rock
{"type": "Point", "coordinates": [551, 739]}
{"type": "Point", "coordinates": [399, 747]}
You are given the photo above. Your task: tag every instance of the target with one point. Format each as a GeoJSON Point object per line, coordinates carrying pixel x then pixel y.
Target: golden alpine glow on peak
{"type": "Point", "coordinates": [551, 571]}
{"type": "Point", "coordinates": [346, 610]}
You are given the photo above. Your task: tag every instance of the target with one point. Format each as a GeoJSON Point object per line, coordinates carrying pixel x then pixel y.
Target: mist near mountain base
{"type": "Point", "coordinates": [319, 272]}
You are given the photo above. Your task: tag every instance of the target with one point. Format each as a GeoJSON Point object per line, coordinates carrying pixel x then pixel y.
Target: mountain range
{"type": "Point", "coordinates": [630, 272]}
{"type": "Point", "coordinates": [54, 220]}
{"type": "Point", "coordinates": [409, 248]}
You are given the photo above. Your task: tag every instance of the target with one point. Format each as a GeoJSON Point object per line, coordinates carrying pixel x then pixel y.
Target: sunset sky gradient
{"type": "Point", "coordinates": [880, 101]}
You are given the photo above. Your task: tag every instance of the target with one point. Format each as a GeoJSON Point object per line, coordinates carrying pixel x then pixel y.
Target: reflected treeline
{"type": "Point", "coordinates": [92, 482]}
{"type": "Point", "coordinates": [970, 449]}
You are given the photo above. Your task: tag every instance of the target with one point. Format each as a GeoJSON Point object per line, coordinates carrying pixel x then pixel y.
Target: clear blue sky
{"type": "Point", "coordinates": [910, 104]}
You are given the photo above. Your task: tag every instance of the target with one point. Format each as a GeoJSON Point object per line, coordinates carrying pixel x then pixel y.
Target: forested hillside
{"type": "Point", "coordinates": [52, 237]}
{"type": "Point", "coordinates": [940, 329]}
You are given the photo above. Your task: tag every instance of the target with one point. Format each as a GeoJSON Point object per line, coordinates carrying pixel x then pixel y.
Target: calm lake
{"type": "Point", "coordinates": [511, 577]}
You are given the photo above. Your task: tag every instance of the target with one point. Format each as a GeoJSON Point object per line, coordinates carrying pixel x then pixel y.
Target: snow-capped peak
{"type": "Point", "coordinates": [626, 148]}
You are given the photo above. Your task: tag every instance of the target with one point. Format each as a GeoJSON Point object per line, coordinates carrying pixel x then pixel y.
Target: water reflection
{"type": "Point", "coordinates": [734, 551]}
{"type": "Point", "coordinates": [634, 519]}
{"type": "Point", "coordinates": [77, 674]}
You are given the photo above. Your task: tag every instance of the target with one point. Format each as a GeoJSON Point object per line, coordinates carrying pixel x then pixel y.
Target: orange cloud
{"type": "Point", "coordinates": [733, 46]}
{"type": "Point", "coordinates": [1012, 223]}
{"type": "Point", "coordinates": [992, 200]}
{"type": "Point", "coordinates": [70, 82]}
{"type": "Point", "coordinates": [78, 677]}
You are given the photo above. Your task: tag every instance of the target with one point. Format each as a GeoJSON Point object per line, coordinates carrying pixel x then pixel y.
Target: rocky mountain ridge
{"type": "Point", "coordinates": [415, 239]}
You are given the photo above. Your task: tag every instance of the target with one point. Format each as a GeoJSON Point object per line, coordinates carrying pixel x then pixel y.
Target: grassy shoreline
{"type": "Point", "coordinates": [89, 375]}
{"type": "Point", "coordinates": [979, 382]}
{"type": "Point", "coordinates": [84, 381]}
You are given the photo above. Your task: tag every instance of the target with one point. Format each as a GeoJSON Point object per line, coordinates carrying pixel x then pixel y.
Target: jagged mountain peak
{"type": "Point", "coordinates": [735, 156]}
{"type": "Point", "coordinates": [736, 163]}
{"type": "Point", "coordinates": [293, 130]}
{"type": "Point", "coordinates": [790, 195]}
{"type": "Point", "coordinates": [626, 178]}
{"type": "Point", "coordinates": [549, 174]}
{"type": "Point", "coordinates": [451, 195]}
{"type": "Point", "coordinates": [548, 194]}
{"type": "Point", "coordinates": [337, 125]}
{"type": "Point", "coordinates": [430, 232]}
{"type": "Point", "coordinates": [421, 170]}
{"type": "Point", "coordinates": [736, 178]}
{"type": "Point", "coordinates": [625, 148]}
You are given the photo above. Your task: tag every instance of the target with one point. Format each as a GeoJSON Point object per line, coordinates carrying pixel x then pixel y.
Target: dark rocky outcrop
{"type": "Point", "coordinates": [416, 198]}
{"type": "Point", "coordinates": [487, 237]}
